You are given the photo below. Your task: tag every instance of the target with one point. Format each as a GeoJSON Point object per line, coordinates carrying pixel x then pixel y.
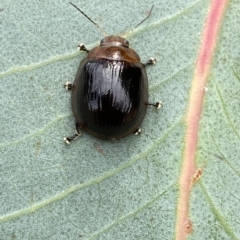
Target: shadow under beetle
{"type": "Point", "coordinates": [110, 90]}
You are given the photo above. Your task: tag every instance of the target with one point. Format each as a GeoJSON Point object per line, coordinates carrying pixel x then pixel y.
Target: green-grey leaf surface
{"type": "Point", "coordinates": [125, 189]}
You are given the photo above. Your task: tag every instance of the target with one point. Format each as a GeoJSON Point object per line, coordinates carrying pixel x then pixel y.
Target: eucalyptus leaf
{"type": "Point", "coordinates": [126, 189]}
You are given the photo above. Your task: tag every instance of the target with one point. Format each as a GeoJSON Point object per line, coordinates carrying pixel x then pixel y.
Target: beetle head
{"type": "Point", "coordinates": [114, 40]}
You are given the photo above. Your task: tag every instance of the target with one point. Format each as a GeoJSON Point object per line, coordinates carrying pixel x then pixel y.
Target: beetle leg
{"type": "Point", "coordinates": [157, 104]}
{"type": "Point", "coordinates": [78, 133]}
{"type": "Point", "coordinates": [151, 61]}
{"type": "Point", "coordinates": [81, 47]}
{"type": "Point", "coordinates": [68, 85]}
{"type": "Point", "coordinates": [138, 131]}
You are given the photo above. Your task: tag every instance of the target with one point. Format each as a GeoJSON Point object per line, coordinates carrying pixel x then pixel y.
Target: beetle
{"type": "Point", "coordinates": [110, 91]}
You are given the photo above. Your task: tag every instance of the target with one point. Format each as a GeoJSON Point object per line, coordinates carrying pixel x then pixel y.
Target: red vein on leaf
{"type": "Point", "coordinates": [202, 69]}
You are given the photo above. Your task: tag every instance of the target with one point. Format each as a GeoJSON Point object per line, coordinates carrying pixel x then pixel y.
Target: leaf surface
{"type": "Point", "coordinates": [127, 189]}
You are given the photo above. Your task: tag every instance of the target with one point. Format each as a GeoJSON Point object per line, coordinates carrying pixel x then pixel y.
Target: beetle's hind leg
{"type": "Point", "coordinates": [156, 105]}
{"type": "Point", "coordinates": [81, 47]}
{"type": "Point", "coordinates": [137, 131]}
{"type": "Point", "coordinates": [151, 61]}
{"type": "Point", "coordinates": [78, 133]}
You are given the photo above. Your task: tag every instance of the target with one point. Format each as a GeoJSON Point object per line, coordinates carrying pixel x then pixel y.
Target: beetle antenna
{"type": "Point", "coordinates": [125, 34]}
{"type": "Point", "coordinates": [84, 14]}
{"type": "Point", "coordinates": [149, 14]}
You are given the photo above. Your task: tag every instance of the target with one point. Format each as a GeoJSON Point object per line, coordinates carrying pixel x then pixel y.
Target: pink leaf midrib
{"type": "Point", "coordinates": [202, 69]}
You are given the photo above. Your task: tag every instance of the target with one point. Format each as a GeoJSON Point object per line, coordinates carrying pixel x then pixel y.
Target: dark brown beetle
{"type": "Point", "coordinates": [110, 90]}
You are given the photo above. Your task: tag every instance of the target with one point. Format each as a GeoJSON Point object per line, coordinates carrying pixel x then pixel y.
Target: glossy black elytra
{"type": "Point", "coordinates": [110, 90]}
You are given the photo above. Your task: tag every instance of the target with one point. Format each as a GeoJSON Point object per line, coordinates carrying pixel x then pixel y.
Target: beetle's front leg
{"type": "Point", "coordinates": [151, 61]}
{"type": "Point", "coordinates": [81, 47]}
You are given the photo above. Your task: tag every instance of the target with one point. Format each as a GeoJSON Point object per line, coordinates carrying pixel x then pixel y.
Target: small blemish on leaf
{"type": "Point", "coordinates": [188, 226]}
{"type": "Point", "coordinates": [97, 147]}
{"type": "Point", "coordinates": [38, 147]}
